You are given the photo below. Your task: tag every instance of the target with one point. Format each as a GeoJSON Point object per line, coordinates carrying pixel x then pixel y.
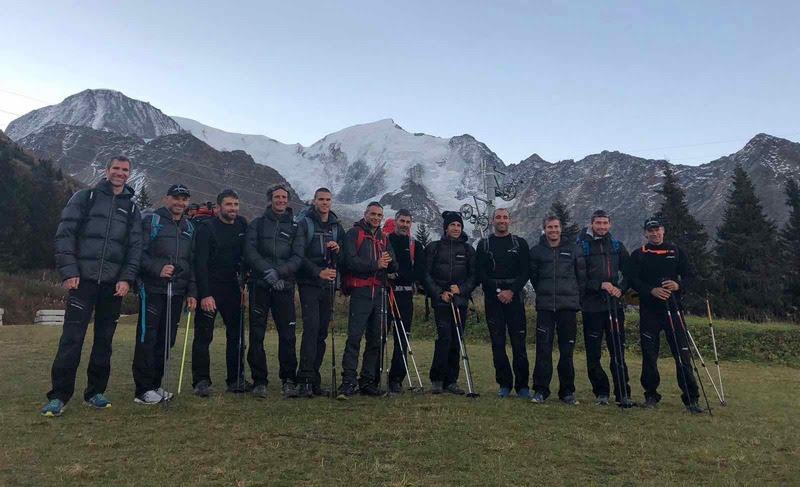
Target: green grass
{"type": "Point", "coordinates": [407, 440]}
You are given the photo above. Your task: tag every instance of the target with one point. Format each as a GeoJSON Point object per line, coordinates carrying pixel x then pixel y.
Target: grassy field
{"type": "Point", "coordinates": [407, 440]}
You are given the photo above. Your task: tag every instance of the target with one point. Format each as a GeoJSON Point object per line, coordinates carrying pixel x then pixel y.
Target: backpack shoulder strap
{"type": "Point", "coordinates": [616, 245]}
{"type": "Point", "coordinates": [309, 231]}
{"type": "Point", "coordinates": [586, 248]}
{"type": "Point", "coordinates": [514, 242]}
{"type": "Point", "coordinates": [155, 226]}
{"type": "Point", "coordinates": [360, 236]}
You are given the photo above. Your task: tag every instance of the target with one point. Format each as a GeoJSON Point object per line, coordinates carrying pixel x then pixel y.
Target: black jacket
{"type": "Point", "coordinates": [502, 263]}
{"type": "Point", "coordinates": [558, 275]}
{"type": "Point", "coordinates": [408, 271]}
{"type": "Point", "coordinates": [605, 262]}
{"type": "Point", "coordinates": [650, 265]}
{"type": "Point", "coordinates": [312, 247]}
{"type": "Point", "coordinates": [362, 262]}
{"type": "Point", "coordinates": [218, 253]}
{"type": "Point", "coordinates": [101, 239]}
{"type": "Point", "coordinates": [448, 262]}
{"type": "Point", "coordinates": [170, 242]}
{"type": "Point", "coordinates": [270, 244]}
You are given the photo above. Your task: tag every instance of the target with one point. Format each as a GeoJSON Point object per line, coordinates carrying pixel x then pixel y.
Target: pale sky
{"type": "Point", "coordinates": [688, 81]}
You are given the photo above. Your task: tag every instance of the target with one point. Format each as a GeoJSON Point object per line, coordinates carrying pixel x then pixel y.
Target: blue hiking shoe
{"type": "Point", "coordinates": [53, 409]}
{"type": "Point", "coordinates": [98, 401]}
{"type": "Point", "coordinates": [503, 392]}
{"type": "Point", "coordinates": [524, 393]}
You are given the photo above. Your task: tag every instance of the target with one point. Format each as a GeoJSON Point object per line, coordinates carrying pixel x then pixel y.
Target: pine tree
{"type": "Point", "coordinates": [143, 199]}
{"type": "Point", "coordinates": [791, 244]}
{"type": "Point", "coordinates": [747, 256]}
{"type": "Point", "coordinates": [683, 229]}
{"type": "Point", "coordinates": [569, 229]}
{"type": "Point", "coordinates": [423, 235]}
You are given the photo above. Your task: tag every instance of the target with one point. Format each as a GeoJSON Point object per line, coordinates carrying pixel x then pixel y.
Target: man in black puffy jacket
{"type": "Point", "coordinates": [98, 248]}
{"type": "Point", "coordinates": [269, 251]}
{"type": "Point", "coordinates": [368, 257]}
{"type": "Point", "coordinates": [449, 277]}
{"type": "Point", "coordinates": [320, 237]}
{"type": "Point", "coordinates": [502, 269]}
{"type": "Point", "coordinates": [168, 255]}
{"type": "Point", "coordinates": [558, 275]}
{"type": "Point", "coordinates": [606, 258]}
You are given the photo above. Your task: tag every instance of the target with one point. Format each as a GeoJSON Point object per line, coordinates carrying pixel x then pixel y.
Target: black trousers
{"type": "Point", "coordinates": [364, 321]}
{"type": "Point", "coordinates": [548, 323]}
{"type": "Point", "coordinates": [281, 304]}
{"type": "Point", "coordinates": [405, 301]}
{"type": "Point", "coordinates": [151, 333]}
{"type": "Point", "coordinates": [651, 322]}
{"type": "Point", "coordinates": [508, 319]}
{"type": "Point", "coordinates": [597, 326]}
{"type": "Point", "coordinates": [315, 306]}
{"type": "Point", "coordinates": [89, 297]}
{"type": "Point", "coordinates": [228, 298]}
{"type": "Point", "coordinates": [446, 353]}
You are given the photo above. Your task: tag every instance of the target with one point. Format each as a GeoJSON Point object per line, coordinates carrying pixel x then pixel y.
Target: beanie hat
{"type": "Point", "coordinates": [450, 217]}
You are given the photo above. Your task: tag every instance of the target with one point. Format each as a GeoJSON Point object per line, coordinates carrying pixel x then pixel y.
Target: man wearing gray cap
{"type": "Point", "coordinates": [167, 264]}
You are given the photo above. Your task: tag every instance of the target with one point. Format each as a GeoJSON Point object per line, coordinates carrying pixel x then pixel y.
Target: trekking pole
{"type": "Point", "coordinates": [685, 387]}
{"type": "Point", "coordinates": [696, 349]}
{"type": "Point", "coordinates": [621, 347]}
{"type": "Point", "coordinates": [185, 344]}
{"type": "Point", "coordinates": [332, 327]}
{"type": "Point", "coordinates": [393, 301]}
{"type": "Point", "coordinates": [240, 382]}
{"type": "Point", "coordinates": [682, 324]}
{"type": "Point", "coordinates": [167, 336]}
{"type": "Point", "coordinates": [465, 358]}
{"type": "Point", "coordinates": [716, 357]}
{"type": "Point", "coordinates": [619, 373]}
{"type": "Point", "coordinates": [398, 327]}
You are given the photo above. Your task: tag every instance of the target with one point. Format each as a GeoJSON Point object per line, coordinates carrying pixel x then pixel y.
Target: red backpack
{"type": "Point", "coordinates": [349, 281]}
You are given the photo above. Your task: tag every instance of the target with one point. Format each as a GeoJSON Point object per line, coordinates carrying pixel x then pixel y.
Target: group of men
{"type": "Point", "coordinates": [105, 247]}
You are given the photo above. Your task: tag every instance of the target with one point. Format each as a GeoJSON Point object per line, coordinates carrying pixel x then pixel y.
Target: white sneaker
{"type": "Point", "coordinates": [149, 397]}
{"type": "Point", "coordinates": [164, 393]}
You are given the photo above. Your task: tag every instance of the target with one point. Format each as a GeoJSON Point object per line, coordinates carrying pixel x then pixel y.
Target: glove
{"type": "Point", "coordinates": [271, 276]}
{"type": "Point", "coordinates": [279, 285]}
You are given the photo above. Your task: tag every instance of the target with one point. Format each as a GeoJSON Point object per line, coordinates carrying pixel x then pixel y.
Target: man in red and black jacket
{"type": "Point", "coordinates": [368, 258]}
{"type": "Point", "coordinates": [658, 271]}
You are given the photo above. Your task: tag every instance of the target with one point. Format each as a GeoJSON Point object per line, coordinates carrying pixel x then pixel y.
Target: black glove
{"type": "Point", "coordinates": [271, 276]}
{"type": "Point", "coordinates": [279, 285]}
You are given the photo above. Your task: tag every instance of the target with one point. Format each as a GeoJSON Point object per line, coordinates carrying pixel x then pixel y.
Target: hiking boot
{"type": "Point", "coordinates": [164, 393]}
{"type": "Point", "coordinates": [503, 392]}
{"type": "Point", "coordinates": [601, 400]}
{"type": "Point", "coordinates": [98, 401]}
{"type": "Point", "coordinates": [651, 403]}
{"type": "Point", "coordinates": [395, 388]}
{"type": "Point", "coordinates": [239, 387]}
{"type": "Point", "coordinates": [436, 387]}
{"type": "Point", "coordinates": [371, 389]}
{"type": "Point", "coordinates": [454, 389]}
{"type": "Point", "coordinates": [289, 389]}
{"type": "Point", "coordinates": [149, 398]}
{"type": "Point", "coordinates": [694, 408]}
{"type": "Point", "coordinates": [305, 390]}
{"type": "Point", "coordinates": [260, 391]}
{"type": "Point", "coordinates": [570, 400]}
{"type": "Point", "coordinates": [53, 408]}
{"type": "Point", "coordinates": [346, 390]}
{"type": "Point", "coordinates": [524, 393]}
{"type": "Point", "coordinates": [538, 398]}
{"type": "Point", "coordinates": [318, 390]}
{"type": "Point", "coordinates": [626, 403]}
{"type": "Point", "coordinates": [202, 389]}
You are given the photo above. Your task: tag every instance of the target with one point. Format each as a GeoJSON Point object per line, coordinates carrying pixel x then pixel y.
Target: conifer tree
{"type": "Point", "coordinates": [569, 229]}
{"type": "Point", "coordinates": [748, 256]}
{"type": "Point", "coordinates": [791, 244]}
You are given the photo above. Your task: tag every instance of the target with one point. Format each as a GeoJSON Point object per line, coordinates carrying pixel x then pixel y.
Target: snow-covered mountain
{"type": "Point", "coordinates": [106, 110]}
{"type": "Point", "coordinates": [369, 161]}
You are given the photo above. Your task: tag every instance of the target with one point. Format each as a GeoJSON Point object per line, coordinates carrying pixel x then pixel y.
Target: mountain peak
{"type": "Point", "coordinates": [99, 109]}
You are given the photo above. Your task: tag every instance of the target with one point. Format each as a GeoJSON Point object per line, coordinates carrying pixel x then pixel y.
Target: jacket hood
{"type": "Point", "coordinates": [543, 242]}
{"type": "Point", "coordinates": [462, 238]}
{"type": "Point", "coordinates": [314, 215]}
{"type": "Point", "coordinates": [163, 212]}
{"type": "Point", "coordinates": [287, 216]}
{"type": "Point", "coordinates": [586, 234]}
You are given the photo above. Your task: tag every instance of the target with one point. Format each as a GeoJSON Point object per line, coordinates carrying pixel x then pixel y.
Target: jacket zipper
{"type": "Point", "coordinates": [555, 276]}
{"type": "Point", "coordinates": [105, 241]}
